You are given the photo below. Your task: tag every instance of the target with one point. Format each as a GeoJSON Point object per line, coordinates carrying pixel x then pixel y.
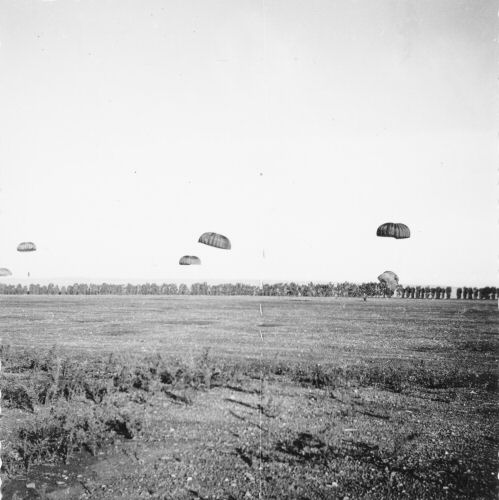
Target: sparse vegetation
{"type": "Point", "coordinates": [366, 426]}
{"type": "Point", "coordinates": [84, 405]}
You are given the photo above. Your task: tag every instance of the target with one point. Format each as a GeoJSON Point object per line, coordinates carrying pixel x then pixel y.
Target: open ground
{"type": "Point", "coordinates": [207, 397]}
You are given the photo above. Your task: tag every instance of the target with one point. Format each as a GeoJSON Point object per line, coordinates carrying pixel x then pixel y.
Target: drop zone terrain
{"type": "Point", "coordinates": [207, 397]}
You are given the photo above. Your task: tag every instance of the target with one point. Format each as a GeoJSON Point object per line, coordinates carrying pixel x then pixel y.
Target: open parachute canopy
{"type": "Point", "coordinates": [389, 279]}
{"type": "Point", "coordinates": [5, 272]}
{"type": "Point", "coordinates": [215, 240]}
{"type": "Point", "coordinates": [26, 246]}
{"type": "Point", "coordinates": [393, 230]}
{"type": "Point", "coordinates": [189, 260]}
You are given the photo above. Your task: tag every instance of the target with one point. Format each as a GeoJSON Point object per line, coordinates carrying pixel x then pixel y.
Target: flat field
{"type": "Point", "coordinates": [217, 397]}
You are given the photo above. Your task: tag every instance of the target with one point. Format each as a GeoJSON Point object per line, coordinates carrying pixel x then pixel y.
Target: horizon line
{"type": "Point", "coordinates": [66, 281]}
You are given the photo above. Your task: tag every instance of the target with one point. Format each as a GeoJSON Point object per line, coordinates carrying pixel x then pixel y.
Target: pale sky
{"type": "Point", "coordinates": [128, 128]}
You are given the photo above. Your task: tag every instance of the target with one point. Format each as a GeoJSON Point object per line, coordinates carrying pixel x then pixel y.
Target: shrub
{"type": "Point", "coordinates": [69, 427]}
{"type": "Point", "coordinates": [395, 377]}
{"type": "Point", "coordinates": [17, 396]}
{"type": "Point", "coordinates": [54, 436]}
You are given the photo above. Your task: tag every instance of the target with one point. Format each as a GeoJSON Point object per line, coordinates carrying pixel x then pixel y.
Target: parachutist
{"type": "Point", "coordinates": [26, 246]}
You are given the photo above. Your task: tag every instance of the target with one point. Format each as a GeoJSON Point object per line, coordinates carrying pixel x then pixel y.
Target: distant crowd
{"type": "Point", "coordinates": [345, 289]}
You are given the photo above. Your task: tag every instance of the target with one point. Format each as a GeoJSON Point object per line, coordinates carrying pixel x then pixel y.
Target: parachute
{"type": "Point", "coordinates": [389, 279]}
{"type": "Point", "coordinates": [189, 260]}
{"type": "Point", "coordinates": [393, 230]}
{"type": "Point", "coordinates": [5, 272]}
{"type": "Point", "coordinates": [26, 246]}
{"type": "Point", "coordinates": [215, 240]}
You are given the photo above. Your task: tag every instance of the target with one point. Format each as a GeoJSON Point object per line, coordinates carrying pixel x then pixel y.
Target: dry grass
{"type": "Point", "coordinates": [320, 408]}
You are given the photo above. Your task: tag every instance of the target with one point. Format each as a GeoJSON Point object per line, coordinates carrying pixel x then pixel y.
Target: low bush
{"type": "Point", "coordinates": [66, 428]}
{"type": "Point", "coordinates": [395, 377]}
{"type": "Point", "coordinates": [17, 395]}
{"type": "Point", "coordinates": [55, 435]}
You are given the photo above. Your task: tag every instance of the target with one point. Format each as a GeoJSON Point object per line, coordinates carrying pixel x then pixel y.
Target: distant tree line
{"type": "Point", "coordinates": [345, 289]}
{"type": "Point", "coordinates": [487, 292]}
{"type": "Point", "coordinates": [418, 292]}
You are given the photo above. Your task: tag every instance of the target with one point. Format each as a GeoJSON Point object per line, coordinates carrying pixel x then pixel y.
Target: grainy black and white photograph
{"type": "Point", "coordinates": [249, 249]}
